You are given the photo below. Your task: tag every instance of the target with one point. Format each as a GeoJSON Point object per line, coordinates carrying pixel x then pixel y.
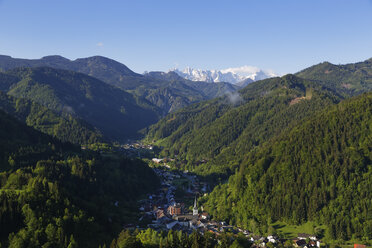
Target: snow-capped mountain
{"type": "Point", "coordinates": [230, 75]}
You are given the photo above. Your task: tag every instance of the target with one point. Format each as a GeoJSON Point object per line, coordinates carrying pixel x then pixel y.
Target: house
{"type": "Point", "coordinates": [312, 243]}
{"type": "Point", "coordinates": [254, 238]}
{"type": "Point", "coordinates": [214, 231]}
{"type": "Point", "coordinates": [157, 160]}
{"type": "Point", "coordinates": [272, 239]}
{"type": "Point", "coordinates": [201, 224]}
{"type": "Point", "coordinates": [175, 209]}
{"type": "Point", "coordinates": [179, 227]}
{"type": "Point", "coordinates": [170, 223]}
{"type": "Point", "coordinates": [185, 217]}
{"type": "Point", "coordinates": [160, 214]}
{"type": "Point", "coordinates": [162, 220]}
{"type": "Point", "coordinates": [205, 216]}
{"type": "Point", "coordinates": [359, 246]}
{"type": "Point", "coordinates": [300, 243]}
{"type": "Point", "coordinates": [182, 221]}
{"type": "Point", "coordinates": [193, 223]}
{"type": "Point", "coordinates": [306, 236]}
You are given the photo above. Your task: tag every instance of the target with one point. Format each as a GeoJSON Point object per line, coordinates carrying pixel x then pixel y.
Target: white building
{"type": "Point", "coordinates": [195, 209]}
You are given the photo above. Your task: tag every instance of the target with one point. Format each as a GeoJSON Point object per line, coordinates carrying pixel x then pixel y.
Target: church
{"type": "Point", "coordinates": [195, 209]}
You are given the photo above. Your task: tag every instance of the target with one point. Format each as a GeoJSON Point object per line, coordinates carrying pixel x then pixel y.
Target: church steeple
{"type": "Point", "coordinates": [195, 209]}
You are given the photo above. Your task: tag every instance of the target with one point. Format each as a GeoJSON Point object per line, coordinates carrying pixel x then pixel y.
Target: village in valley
{"type": "Point", "coordinates": [175, 207]}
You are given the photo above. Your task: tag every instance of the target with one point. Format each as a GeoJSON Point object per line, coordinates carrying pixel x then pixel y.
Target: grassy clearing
{"type": "Point", "coordinates": [291, 231]}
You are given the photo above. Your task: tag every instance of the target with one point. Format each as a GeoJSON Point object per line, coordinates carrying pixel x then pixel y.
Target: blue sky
{"type": "Point", "coordinates": [285, 36]}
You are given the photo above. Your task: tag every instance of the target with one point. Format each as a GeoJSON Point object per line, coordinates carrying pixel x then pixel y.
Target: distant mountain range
{"type": "Point", "coordinates": [167, 91]}
{"type": "Point", "coordinates": [91, 99]}
{"type": "Point", "coordinates": [239, 75]}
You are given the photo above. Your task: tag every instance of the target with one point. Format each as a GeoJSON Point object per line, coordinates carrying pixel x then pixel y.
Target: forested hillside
{"type": "Point", "coordinates": [105, 69]}
{"type": "Point", "coordinates": [116, 114]}
{"type": "Point", "coordinates": [64, 127]}
{"type": "Point", "coordinates": [320, 170]}
{"type": "Point", "coordinates": [54, 195]}
{"type": "Point", "coordinates": [21, 145]}
{"type": "Point", "coordinates": [223, 130]}
{"type": "Point", "coordinates": [349, 79]}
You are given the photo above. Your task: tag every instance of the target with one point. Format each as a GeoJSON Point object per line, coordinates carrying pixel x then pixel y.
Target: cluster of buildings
{"type": "Point", "coordinates": [136, 145]}
{"type": "Point", "coordinates": [135, 150]}
{"type": "Point", "coordinates": [162, 212]}
{"type": "Point", "coordinates": [303, 240]}
{"type": "Point", "coordinates": [176, 217]}
{"type": "Point", "coordinates": [306, 240]}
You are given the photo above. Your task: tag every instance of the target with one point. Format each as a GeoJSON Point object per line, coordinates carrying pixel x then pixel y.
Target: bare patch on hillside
{"type": "Point", "coordinates": [296, 100]}
{"type": "Point", "coordinates": [171, 119]}
{"type": "Point", "coordinates": [346, 86]}
{"type": "Point", "coordinates": [308, 96]}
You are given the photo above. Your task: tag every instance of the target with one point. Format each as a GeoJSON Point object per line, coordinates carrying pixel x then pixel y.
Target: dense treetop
{"type": "Point", "coordinates": [320, 170]}
{"type": "Point", "coordinates": [64, 127]}
{"type": "Point", "coordinates": [54, 195]}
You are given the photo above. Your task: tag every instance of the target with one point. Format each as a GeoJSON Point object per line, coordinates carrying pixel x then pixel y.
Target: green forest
{"type": "Point", "coordinates": [150, 238]}
{"type": "Point", "coordinates": [350, 79]}
{"type": "Point", "coordinates": [55, 195]}
{"type": "Point", "coordinates": [104, 107]}
{"type": "Point", "coordinates": [222, 133]}
{"type": "Point", "coordinates": [66, 127]}
{"type": "Point", "coordinates": [320, 170]}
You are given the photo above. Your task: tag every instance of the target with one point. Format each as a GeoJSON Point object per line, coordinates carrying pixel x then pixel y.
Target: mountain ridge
{"type": "Point", "coordinates": [230, 75]}
{"type": "Point", "coordinates": [167, 93]}
{"type": "Point", "coordinates": [64, 127]}
{"type": "Point", "coordinates": [221, 130]}
{"type": "Point", "coordinates": [116, 113]}
{"type": "Point", "coordinates": [347, 79]}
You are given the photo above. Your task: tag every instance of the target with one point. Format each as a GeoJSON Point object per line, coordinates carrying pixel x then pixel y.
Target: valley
{"type": "Point", "coordinates": [282, 162]}
{"type": "Point", "coordinates": [186, 124]}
